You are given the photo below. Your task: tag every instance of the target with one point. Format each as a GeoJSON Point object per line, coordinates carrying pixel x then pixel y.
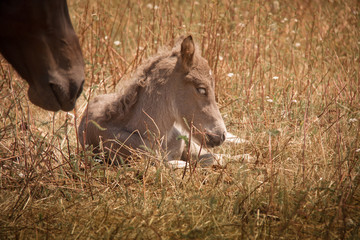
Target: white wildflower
{"type": "Point", "coordinates": [297, 44]}
{"type": "Point", "coordinates": [117, 43]}
{"type": "Point", "coordinates": [268, 99]}
{"type": "Point", "coordinates": [294, 101]}
{"type": "Point", "coordinates": [221, 58]}
{"type": "Point", "coordinates": [357, 150]}
{"type": "Point", "coordinates": [150, 6]}
{"type": "Point", "coordinates": [275, 77]}
{"type": "Point", "coordinates": [352, 120]}
{"type": "Point", "coordinates": [106, 37]}
{"type": "Point", "coordinates": [276, 6]}
{"type": "Point", "coordinates": [230, 74]}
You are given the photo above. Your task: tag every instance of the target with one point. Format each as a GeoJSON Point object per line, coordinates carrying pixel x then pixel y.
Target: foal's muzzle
{"type": "Point", "coordinates": [214, 140]}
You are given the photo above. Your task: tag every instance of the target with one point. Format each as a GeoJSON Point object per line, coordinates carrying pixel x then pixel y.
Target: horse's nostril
{"type": "Point", "coordinates": [74, 91]}
{"type": "Point", "coordinates": [80, 90]}
{"type": "Point", "coordinates": [66, 98]}
{"type": "Point", "coordinates": [57, 91]}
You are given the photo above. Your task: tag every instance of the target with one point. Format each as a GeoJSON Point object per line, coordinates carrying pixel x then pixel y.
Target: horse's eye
{"type": "Point", "coordinates": [202, 91]}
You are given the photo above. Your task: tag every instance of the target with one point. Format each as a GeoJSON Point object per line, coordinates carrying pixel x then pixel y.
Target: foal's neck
{"type": "Point", "coordinates": [155, 111]}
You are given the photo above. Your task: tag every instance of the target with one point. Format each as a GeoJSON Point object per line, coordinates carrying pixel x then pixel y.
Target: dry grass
{"type": "Point", "coordinates": [287, 78]}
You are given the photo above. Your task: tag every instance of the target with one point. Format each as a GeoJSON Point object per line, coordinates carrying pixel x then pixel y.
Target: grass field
{"type": "Point", "coordinates": [287, 81]}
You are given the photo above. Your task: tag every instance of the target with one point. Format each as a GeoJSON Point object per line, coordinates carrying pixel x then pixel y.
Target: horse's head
{"type": "Point", "coordinates": [37, 38]}
{"type": "Point", "coordinates": [195, 96]}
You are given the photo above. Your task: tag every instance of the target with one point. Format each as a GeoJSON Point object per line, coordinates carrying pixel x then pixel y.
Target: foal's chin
{"type": "Point", "coordinates": [208, 140]}
{"type": "Point", "coordinates": [213, 143]}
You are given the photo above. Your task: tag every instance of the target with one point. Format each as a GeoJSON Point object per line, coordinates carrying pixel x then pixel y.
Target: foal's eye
{"type": "Point", "coordinates": [202, 91]}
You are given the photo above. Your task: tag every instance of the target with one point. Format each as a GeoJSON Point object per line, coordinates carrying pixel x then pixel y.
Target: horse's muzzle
{"type": "Point", "coordinates": [66, 98]}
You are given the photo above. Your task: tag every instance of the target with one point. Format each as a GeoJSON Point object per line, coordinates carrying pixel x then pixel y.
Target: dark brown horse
{"type": "Point", "coordinates": [38, 40]}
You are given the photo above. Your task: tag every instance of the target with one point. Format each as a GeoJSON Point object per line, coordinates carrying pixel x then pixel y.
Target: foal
{"type": "Point", "coordinates": [174, 88]}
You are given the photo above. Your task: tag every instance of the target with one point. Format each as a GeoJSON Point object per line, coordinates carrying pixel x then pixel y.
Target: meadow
{"type": "Point", "coordinates": [287, 81]}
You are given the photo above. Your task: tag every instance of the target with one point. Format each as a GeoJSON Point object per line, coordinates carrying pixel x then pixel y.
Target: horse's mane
{"type": "Point", "coordinates": [129, 93]}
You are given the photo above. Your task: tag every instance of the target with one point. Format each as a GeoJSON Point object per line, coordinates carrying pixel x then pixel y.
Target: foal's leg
{"type": "Point", "coordinates": [174, 146]}
{"type": "Point", "coordinates": [202, 156]}
{"type": "Point", "coordinates": [179, 153]}
{"type": "Point", "coordinates": [120, 142]}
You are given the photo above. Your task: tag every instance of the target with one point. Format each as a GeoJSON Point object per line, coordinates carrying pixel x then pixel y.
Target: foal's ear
{"type": "Point", "coordinates": [187, 52]}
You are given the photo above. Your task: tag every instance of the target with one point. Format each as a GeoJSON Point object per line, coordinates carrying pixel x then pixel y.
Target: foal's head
{"type": "Point", "coordinates": [195, 96]}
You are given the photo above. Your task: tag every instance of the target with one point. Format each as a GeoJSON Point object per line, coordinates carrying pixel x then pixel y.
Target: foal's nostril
{"type": "Point", "coordinates": [223, 137]}
{"type": "Point", "coordinates": [215, 140]}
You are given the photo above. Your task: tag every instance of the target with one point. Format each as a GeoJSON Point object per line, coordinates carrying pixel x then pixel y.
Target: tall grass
{"type": "Point", "coordinates": [287, 80]}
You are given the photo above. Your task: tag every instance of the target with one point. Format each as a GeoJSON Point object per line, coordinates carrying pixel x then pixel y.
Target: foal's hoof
{"type": "Point", "coordinates": [206, 160]}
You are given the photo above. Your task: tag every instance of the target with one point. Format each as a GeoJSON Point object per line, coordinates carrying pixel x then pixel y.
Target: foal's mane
{"type": "Point", "coordinates": [129, 92]}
